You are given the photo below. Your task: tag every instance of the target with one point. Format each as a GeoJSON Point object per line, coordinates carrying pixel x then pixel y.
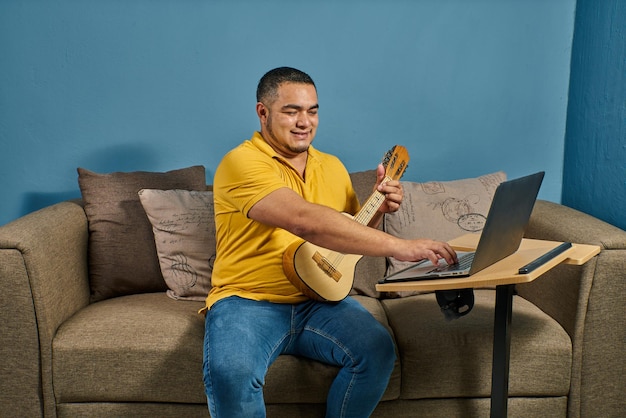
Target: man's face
{"type": "Point", "coordinates": [289, 123]}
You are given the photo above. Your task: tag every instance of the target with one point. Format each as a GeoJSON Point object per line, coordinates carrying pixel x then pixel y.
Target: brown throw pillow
{"type": "Point", "coordinates": [184, 231]}
{"type": "Point", "coordinates": [122, 252]}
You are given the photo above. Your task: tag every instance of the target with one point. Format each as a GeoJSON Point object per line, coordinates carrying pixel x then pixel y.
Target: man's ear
{"type": "Point", "coordinates": [261, 111]}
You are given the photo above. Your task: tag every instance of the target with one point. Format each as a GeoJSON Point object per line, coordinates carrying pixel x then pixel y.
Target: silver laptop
{"type": "Point", "coordinates": [502, 235]}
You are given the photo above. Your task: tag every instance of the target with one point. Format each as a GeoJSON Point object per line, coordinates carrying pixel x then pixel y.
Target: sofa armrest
{"type": "Point", "coordinates": [557, 292]}
{"type": "Point", "coordinates": [588, 301]}
{"type": "Point", "coordinates": [43, 273]}
{"type": "Point", "coordinates": [552, 221]}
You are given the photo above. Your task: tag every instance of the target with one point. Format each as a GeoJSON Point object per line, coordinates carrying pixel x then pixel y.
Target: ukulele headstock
{"type": "Point", "coordinates": [396, 161]}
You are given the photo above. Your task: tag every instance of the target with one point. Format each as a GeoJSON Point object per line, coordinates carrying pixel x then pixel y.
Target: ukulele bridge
{"type": "Point", "coordinates": [326, 266]}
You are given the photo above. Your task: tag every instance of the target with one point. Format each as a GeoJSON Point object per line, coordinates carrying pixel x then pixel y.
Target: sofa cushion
{"type": "Point", "coordinates": [122, 253]}
{"type": "Point", "coordinates": [143, 347]}
{"type": "Point", "coordinates": [441, 210]}
{"type": "Point", "coordinates": [148, 348]}
{"type": "Point", "coordinates": [184, 232]}
{"type": "Point", "coordinates": [447, 359]}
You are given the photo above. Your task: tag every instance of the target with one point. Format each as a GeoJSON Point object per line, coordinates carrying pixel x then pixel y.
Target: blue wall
{"type": "Point", "coordinates": [470, 87]}
{"type": "Point", "coordinates": [594, 178]}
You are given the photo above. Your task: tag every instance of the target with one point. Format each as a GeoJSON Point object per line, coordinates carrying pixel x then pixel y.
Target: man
{"type": "Point", "coordinates": [269, 191]}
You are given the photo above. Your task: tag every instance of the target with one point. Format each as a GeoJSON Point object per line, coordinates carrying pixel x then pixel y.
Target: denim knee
{"type": "Point", "coordinates": [384, 349]}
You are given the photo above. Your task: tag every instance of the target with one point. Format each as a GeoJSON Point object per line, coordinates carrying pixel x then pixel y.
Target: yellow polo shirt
{"type": "Point", "coordinates": [249, 254]}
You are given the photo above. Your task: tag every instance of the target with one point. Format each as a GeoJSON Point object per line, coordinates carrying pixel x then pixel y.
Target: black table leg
{"type": "Point", "coordinates": [501, 350]}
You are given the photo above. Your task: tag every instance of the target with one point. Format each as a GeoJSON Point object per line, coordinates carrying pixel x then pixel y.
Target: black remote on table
{"type": "Point", "coordinates": [544, 258]}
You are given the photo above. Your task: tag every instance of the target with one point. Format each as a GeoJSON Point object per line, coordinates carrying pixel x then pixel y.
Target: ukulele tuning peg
{"type": "Point", "coordinates": [386, 158]}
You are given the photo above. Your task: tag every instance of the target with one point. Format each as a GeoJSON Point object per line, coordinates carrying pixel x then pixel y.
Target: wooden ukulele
{"type": "Point", "coordinates": [326, 275]}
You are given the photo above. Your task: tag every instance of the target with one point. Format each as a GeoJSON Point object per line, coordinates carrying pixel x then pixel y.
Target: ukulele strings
{"type": "Point", "coordinates": [364, 216]}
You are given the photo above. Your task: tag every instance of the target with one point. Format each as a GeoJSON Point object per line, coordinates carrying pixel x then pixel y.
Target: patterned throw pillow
{"type": "Point", "coordinates": [442, 210]}
{"type": "Point", "coordinates": [184, 232]}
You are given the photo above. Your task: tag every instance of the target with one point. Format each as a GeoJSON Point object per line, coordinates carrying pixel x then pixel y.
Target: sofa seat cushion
{"type": "Point", "coordinates": [148, 348]}
{"type": "Point", "coordinates": [442, 359]}
{"type": "Point", "coordinates": [143, 347]}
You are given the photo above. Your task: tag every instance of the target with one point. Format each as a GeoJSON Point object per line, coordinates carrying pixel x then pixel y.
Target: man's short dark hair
{"type": "Point", "coordinates": [267, 90]}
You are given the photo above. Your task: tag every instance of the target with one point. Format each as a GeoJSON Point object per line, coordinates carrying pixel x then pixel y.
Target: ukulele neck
{"type": "Point", "coordinates": [371, 206]}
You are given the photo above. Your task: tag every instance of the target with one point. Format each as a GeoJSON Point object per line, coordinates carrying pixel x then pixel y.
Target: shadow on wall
{"type": "Point", "coordinates": [34, 200]}
{"type": "Point", "coordinates": [127, 157]}
{"type": "Point", "coordinates": [123, 157]}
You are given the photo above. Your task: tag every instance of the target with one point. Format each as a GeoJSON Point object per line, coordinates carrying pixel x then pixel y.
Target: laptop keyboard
{"type": "Point", "coordinates": [465, 261]}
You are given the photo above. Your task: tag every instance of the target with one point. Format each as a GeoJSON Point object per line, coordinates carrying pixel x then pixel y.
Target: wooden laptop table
{"type": "Point", "coordinates": [504, 276]}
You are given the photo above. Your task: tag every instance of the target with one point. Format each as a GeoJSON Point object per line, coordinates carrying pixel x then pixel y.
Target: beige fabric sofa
{"type": "Point", "coordinates": [141, 355]}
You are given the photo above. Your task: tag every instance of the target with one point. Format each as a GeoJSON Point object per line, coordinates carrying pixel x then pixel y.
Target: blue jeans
{"type": "Point", "coordinates": [243, 337]}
